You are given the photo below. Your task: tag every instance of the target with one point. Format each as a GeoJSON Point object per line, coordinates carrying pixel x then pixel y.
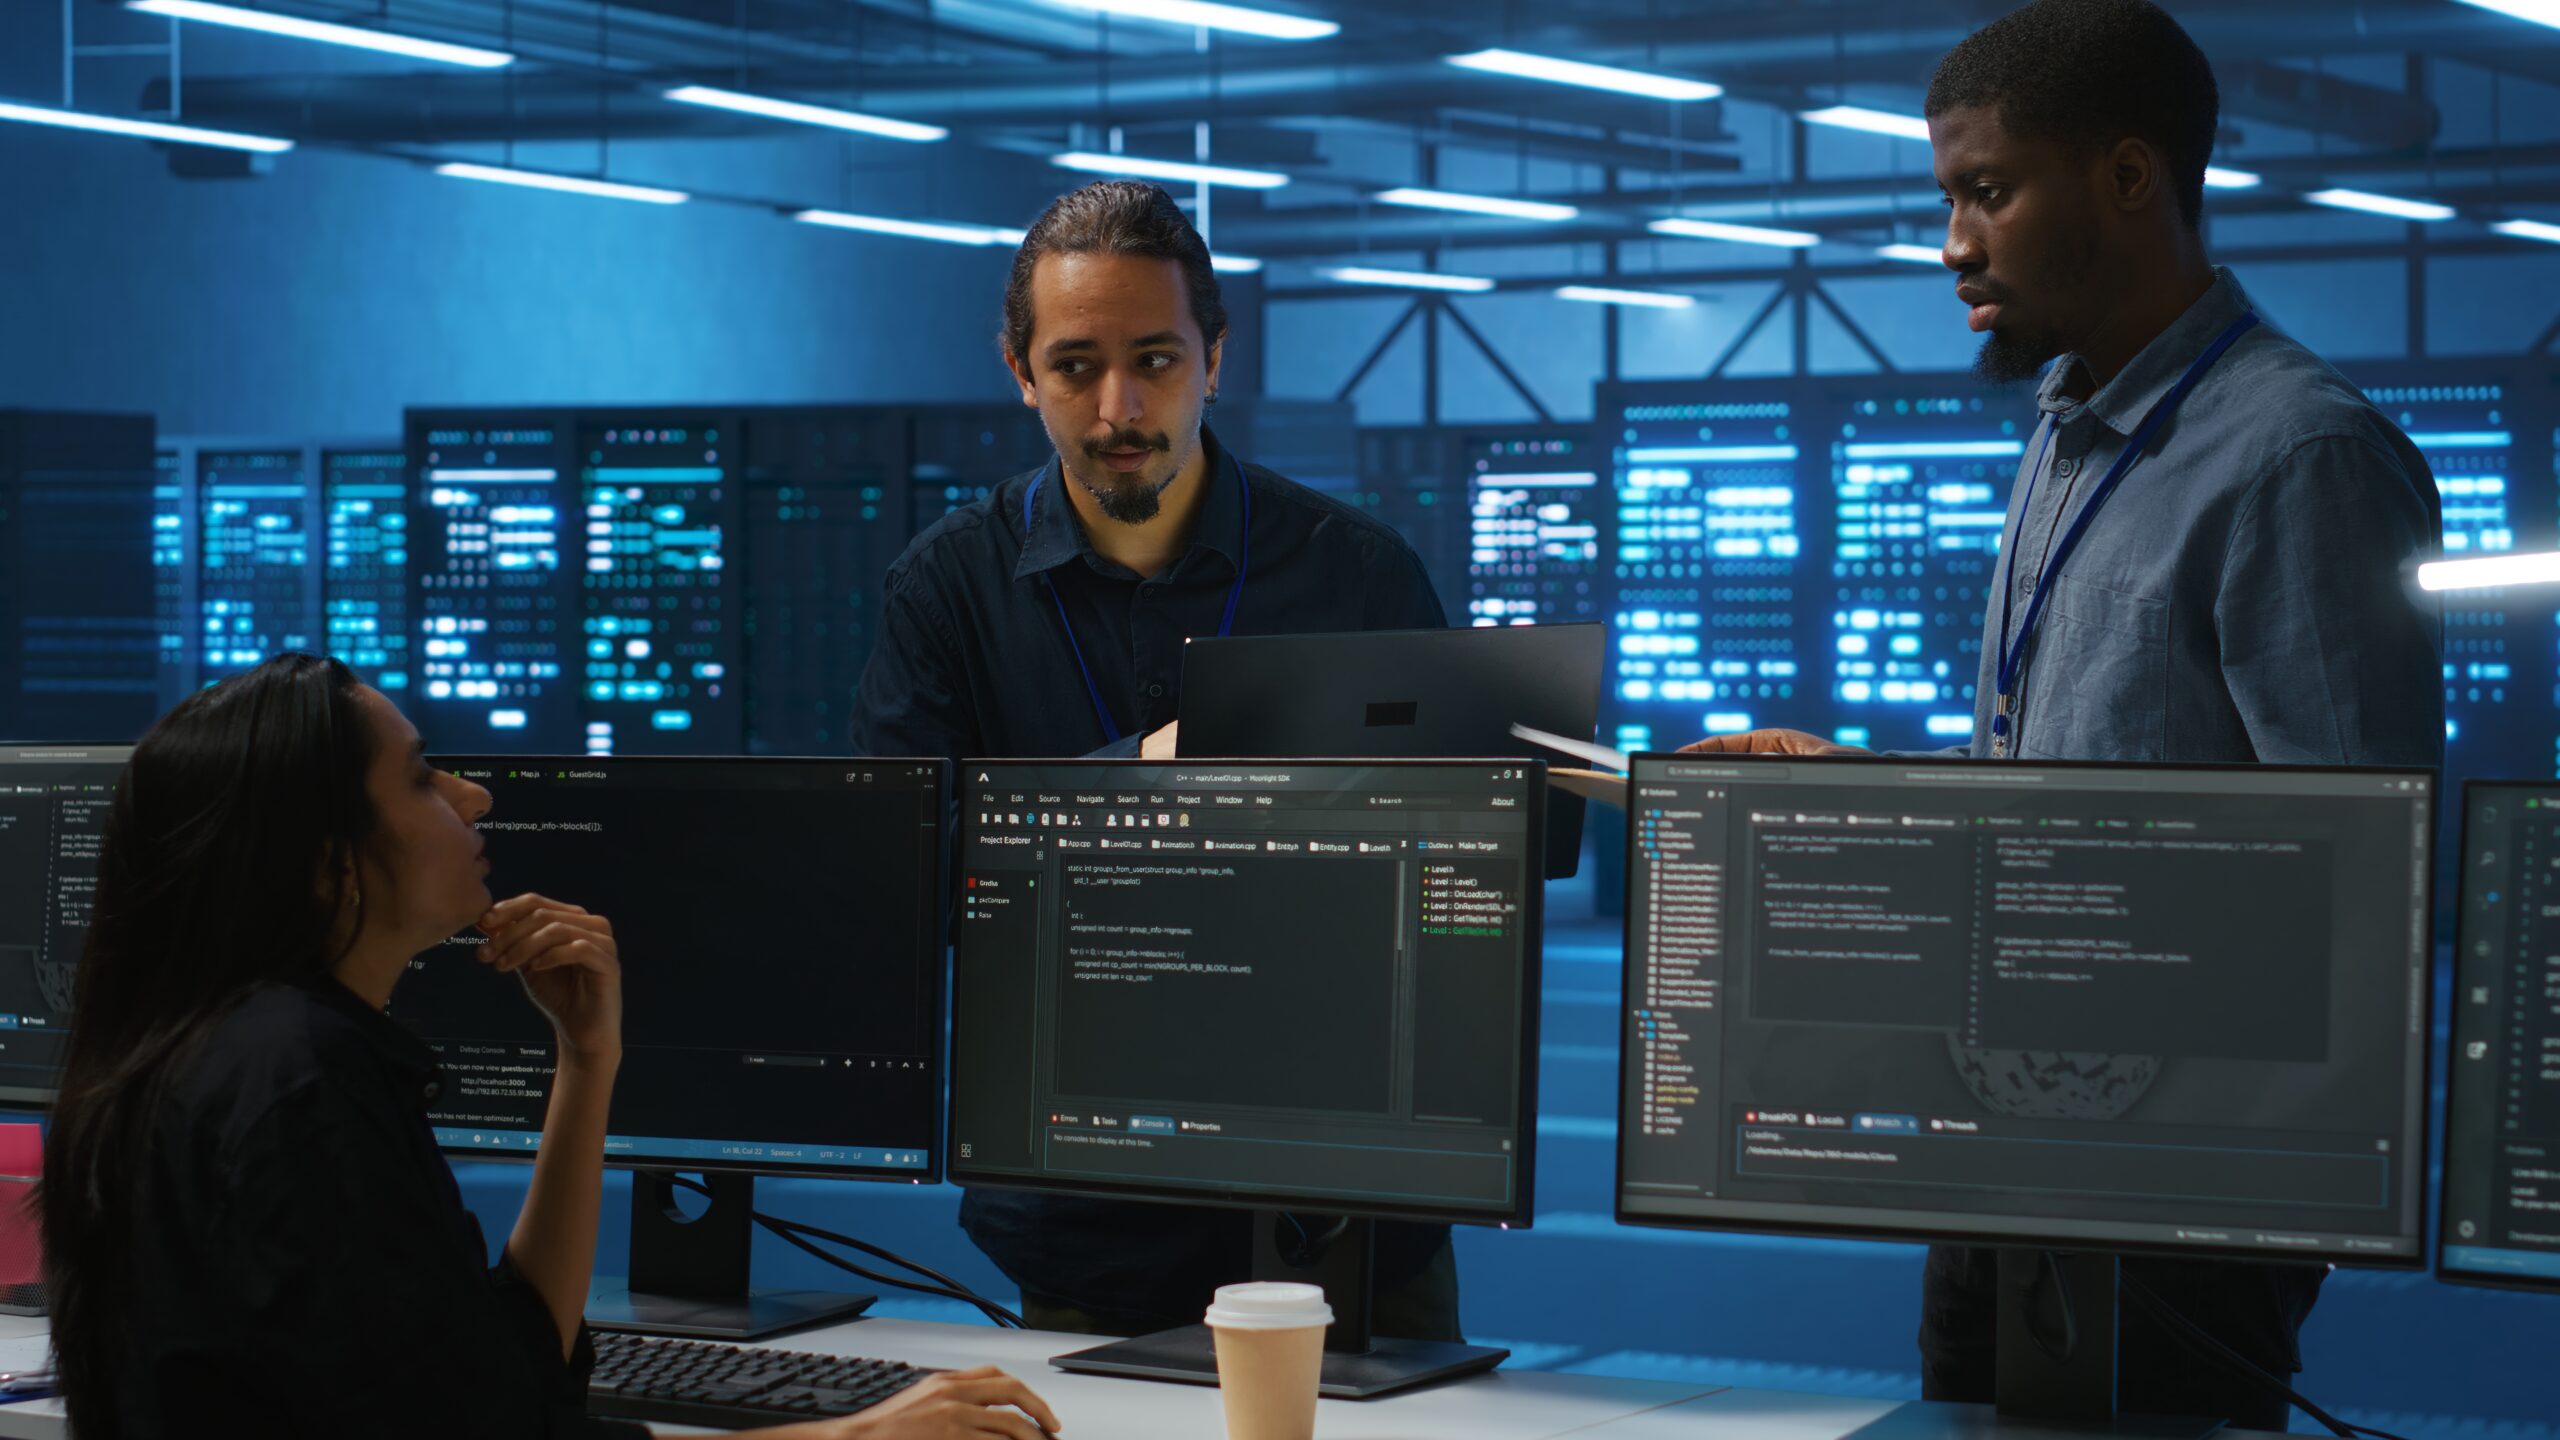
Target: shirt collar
{"type": "Point", "coordinates": [399, 1048]}
{"type": "Point", "coordinates": [1055, 535]}
{"type": "Point", "coordinates": [2124, 400]}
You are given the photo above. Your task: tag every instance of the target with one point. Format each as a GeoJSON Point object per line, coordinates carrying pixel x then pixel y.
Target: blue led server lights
{"type": "Point", "coordinates": [1920, 486]}
{"type": "Point", "coordinates": [1712, 561]}
{"type": "Point", "coordinates": [485, 543]}
{"type": "Point", "coordinates": [2498, 657]}
{"type": "Point", "coordinates": [364, 582]}
{"type": "Point", "coordinates": [173, 577]}
{"type": "Point", "coordinates": [258, 593]}
{"type": "Point", "coordinates": [570, 583]}
{"type": "Point", "coordinates": [658, 619]}
{"type": "Point", "coordinates": [1538, 509]}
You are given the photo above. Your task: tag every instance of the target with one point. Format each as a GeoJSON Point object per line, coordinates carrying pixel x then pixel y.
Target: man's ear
{"type": "Point", "coordinates": [2137, 175]}
{"type": "Point", "coordinates": [1022, 377]}
{"type": "Point", "coordinates": [1217, 351]}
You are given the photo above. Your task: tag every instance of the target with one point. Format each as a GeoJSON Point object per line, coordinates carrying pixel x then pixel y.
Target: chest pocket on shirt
{"type": "Point", "coordinates": [2098, 682]}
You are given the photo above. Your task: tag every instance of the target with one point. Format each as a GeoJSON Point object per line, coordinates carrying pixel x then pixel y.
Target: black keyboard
{"type": "Point", "coordinates": [704, 1382]}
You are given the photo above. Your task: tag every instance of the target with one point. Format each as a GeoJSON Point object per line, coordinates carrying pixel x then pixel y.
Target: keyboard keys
{"type": "Point", "coordinates": [644, 1377]}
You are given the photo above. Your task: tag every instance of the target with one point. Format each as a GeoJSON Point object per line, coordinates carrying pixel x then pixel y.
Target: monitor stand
{"type": "Point", "coordinates": [2052, 1380]}
{"type": "Point", "coordinates": [1358, 1365]}
{"type": "Point", "coordinates": [689, 1276]}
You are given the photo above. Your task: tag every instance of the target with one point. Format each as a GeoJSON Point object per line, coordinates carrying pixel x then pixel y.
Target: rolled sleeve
{"type": "Point", "coordinates": [2330, 652]}
{"type": "Point", "coordinates": [562, 1381]}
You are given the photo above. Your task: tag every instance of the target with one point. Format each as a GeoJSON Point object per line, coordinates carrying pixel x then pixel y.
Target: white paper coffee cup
{"type": "Point", "coordinates": [1270, 1339]}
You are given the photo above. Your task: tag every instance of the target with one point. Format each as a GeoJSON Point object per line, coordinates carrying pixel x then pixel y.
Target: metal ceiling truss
{"type": "Point", "coordinates": [1012, 76]}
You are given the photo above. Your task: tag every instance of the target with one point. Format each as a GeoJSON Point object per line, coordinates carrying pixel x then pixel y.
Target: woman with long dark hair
{"type": "Point", "coordinates": [247, 1225]}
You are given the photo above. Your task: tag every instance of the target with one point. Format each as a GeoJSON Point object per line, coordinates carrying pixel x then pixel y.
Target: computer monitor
{"type": "Point", "coordinates": [1403, 694]}
{"type": "Point", "coordinates": [1294, 985]}
{"type": "Point", "coordinates": [2057, 1007]}
{"type": "Point", "coordinates": [54, 801]}
{"type": "Point", "coordinates": [780, 924]}
{"type": "Point", "coordinates": [2501, 1222]}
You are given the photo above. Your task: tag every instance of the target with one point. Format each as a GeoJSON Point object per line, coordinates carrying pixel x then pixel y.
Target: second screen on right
{"type": "Point", "coordinates": [2133, 1007]}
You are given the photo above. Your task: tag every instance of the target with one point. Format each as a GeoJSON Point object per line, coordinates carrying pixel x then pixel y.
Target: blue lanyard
{"type": "Point", "coordinates": [1226, 621]}
{"type": "Point", "coordinates": [2013, 652]}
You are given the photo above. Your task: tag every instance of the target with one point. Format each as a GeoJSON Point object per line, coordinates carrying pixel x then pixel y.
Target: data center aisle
{"type": "Point", "coordinates": [1580, 1293]}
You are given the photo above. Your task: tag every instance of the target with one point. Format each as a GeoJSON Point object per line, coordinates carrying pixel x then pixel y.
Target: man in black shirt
{"type": "Point", "coordinates": [1049, 620]}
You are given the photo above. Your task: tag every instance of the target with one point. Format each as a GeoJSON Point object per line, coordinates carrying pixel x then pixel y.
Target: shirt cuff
{"type": "Point", "coordinates": [563, 1381]}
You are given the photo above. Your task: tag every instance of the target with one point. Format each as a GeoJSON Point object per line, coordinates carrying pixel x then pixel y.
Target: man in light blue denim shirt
{"type": "Point", "coordinates": [2245, 593]}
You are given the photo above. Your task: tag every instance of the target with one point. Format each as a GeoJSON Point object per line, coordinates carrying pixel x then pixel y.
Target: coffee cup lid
{"type": "Point", "coordinates": [1269, 1305]}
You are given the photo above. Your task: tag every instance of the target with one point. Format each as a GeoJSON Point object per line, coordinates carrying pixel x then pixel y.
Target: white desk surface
{"type": "Point", "coordinates": [1505, 1405]}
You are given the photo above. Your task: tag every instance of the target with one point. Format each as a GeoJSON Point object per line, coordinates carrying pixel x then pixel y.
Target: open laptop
{"type": "Point", "coordinates": [1398, 694]}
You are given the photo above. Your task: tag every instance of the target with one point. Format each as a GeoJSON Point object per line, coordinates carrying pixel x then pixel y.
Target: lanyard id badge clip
{"type": "Point", "coordinates": [1226, 620]}
{"type": "Point", "coordinates": [2013, 654]}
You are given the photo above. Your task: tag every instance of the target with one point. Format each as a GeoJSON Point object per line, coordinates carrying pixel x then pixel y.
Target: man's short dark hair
{"type": "Point", "coordinates": [1114, 217]}
{"type": "Point", "coordinates": [2092, 72]}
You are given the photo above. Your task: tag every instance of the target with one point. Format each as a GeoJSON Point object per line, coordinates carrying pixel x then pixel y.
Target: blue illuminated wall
{"type": "Point", "coordinates": [330, 295]}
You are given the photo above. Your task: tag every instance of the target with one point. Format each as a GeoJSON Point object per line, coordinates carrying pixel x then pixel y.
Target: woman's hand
{"type": "Point", "coordinates": [955, 1405]}
{"type": "Point", "coordinates": [570, 966]}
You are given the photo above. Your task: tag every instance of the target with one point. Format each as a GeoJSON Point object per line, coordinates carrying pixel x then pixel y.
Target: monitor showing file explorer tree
{"type": "Point", "coordinates": [1307, 985]}
{"type": "Point", "coordinates": [2123, 1007]}
{"type": "Point", "coordinates": [2502, 1118]}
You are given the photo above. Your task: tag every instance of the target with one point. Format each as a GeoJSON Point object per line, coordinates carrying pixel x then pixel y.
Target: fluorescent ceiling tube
{"type": "Point", "coordinates": [2490, 571]}
{"type": "Point", "coordinates": [1477, 204]}
{"type": "Point", "coordinates": [1102, 164]}
{"type": "Point", "coordinates": [799, 114]}
{"type": "Point", "coordinates": [566, 184]}
{"type": "Point", "coordinates": [269, 23]}
{"type": "Point", "coordinates": [1603, 295]}
{"type": "Point", "coordinates": [1199, 14]}
{"type": "Point", "coordinates": [1235, 264]}
{"type": "Point", "coordinates": [1589, 77]}
{"type": "Point", "coordinates": [1916, 254]}
{"type": "Point", "coordinates": [143, 129]}
{"type": "Point", "coordinates": [908, 229]}
{"type": "Point", "coordinates": [1688, 229]}
{"type": "Point", "coordinates": [2539, 12]}
{"type": "Point", "coordinates": [2218, 178]}
{"type": "Point", "coordinates": [1407, 279]}
{"type": "Point", "coordinates": [1874, 122]}
{"type": "Point", "coordinates": [2529, 230]}
{"type": "Point", "coordinates": [2371, 204]}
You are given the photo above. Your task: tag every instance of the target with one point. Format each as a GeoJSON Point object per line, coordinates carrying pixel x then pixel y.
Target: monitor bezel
{"type": "Point", "coordinates": [1532, 983]}
{"type": "Point", "coordinates": [936, 985]}
{"type": "Point", "coordinates": [42, 1098]}
{"type": "Point", "coordinates": [1921, 1231]}
{"type": "Point", "coordinates": [2454, 1088]}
